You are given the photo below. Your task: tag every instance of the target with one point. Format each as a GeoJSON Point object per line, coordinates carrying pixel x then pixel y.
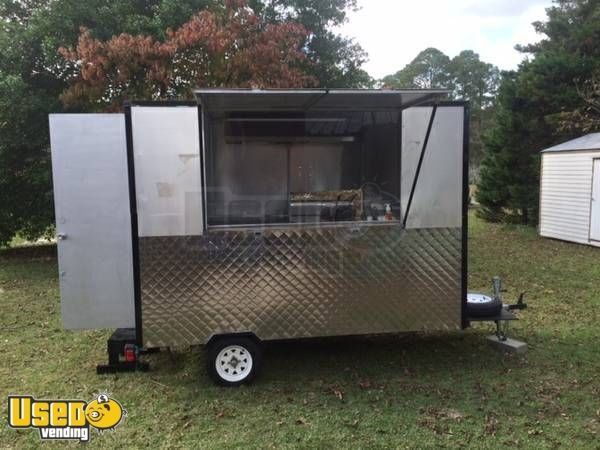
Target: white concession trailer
{"type": "Point", "coordinates": [256, 215]}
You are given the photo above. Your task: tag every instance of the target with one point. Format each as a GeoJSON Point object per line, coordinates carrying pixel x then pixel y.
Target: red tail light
{"type": "Point", "coordinates": [129, 353]}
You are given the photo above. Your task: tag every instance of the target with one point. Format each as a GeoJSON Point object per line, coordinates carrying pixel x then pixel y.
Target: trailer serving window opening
{"type": "Point", "coordinates": [265, 167]}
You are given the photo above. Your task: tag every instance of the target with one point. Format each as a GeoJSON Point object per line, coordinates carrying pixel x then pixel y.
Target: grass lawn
{"type": "Point", "coordinates": [403, 392]}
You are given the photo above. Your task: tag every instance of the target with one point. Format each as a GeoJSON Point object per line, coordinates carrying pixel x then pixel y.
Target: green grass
{"type": "Point", "coordinates": [405, 392]}
{"type": "Point", "coordinates": [20, 241]}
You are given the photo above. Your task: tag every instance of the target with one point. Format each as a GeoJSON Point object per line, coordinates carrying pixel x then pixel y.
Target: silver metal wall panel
{"type": "Point", "coordinates": [244, 177]}
{"type": "Point", "coordinates": [166, 148]}
{"type": "Point", "coordinates": [437, 200]}
{"type": "Point", "coordinates": [414, 129]}
{"type": "Point", "coordinates": [294, 282]}
{"type": "Point", "coordinates": [318, 167]}
{"type": "Point", "coordinates": [91, 192]}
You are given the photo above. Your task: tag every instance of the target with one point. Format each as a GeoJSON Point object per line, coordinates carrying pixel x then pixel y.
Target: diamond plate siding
{"type": "Point", "coordinates": [299, 282]}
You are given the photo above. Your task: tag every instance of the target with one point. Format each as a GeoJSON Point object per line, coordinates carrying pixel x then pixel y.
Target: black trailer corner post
{"type": "Point", "coordinates": [465, 214]}
{"type": "Point", "coordinates": [201, 138]}
{"type": "Point", "coordinates": [134, 227]}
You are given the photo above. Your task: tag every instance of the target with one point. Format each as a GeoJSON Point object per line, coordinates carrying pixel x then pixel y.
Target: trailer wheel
{"type": "Point", "coordinates": [481, 305]}
{"type": "Point", "coordinates": [232, 361]}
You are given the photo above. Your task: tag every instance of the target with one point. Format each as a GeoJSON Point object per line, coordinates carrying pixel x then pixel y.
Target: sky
{"type": "Point", "coordinates": [393, 32]}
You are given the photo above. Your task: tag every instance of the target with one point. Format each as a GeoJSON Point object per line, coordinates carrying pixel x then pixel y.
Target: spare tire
{"type": "Point", "coordinates": [481, 305]}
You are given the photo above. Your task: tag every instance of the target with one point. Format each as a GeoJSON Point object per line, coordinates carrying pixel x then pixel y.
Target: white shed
{"type": "Point", "coordinates": [570, 191]}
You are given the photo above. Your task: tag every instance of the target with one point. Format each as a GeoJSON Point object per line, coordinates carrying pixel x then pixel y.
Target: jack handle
{"type": "Point", "coordinates": [520, 304]}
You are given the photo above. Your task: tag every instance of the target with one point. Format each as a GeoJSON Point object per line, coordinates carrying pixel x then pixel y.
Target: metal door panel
{"type": "Point", "coordinates": [166, 147]}
{"type": "Point", "coordinates": [437, 198]}
{"type": "Point", "coordinates": [414, 129]}
{"type": "Point", "coordinates": [91, 197]}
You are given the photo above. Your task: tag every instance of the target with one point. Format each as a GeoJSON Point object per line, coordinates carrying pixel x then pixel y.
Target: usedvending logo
{"type": "Point", "coordinates": [64, 419]}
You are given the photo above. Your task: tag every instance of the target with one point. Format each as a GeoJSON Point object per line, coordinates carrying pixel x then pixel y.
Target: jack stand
{"type": "Point", "coordinates": [501, 329]}
{"type": "Point", "coordinates": [501, 341]}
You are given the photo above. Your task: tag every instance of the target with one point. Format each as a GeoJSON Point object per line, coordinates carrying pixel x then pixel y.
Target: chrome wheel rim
{"type": "Point", "coordinates": [478, 298]}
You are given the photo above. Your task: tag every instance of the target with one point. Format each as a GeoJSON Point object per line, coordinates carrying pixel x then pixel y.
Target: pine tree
{"type": "Point", "coordinates": [533, 103]}
{"type": "Point", "coordinates": [509, 174]}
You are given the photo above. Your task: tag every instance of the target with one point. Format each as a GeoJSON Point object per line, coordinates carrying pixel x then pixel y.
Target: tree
{"type": "Point", "coordinates": [335, 60]}
{"type": "Point", "coordinates": [430, 69]}
{"type": "Point", "coordinates": [509, 176]}
{"type": "Point", "coordinates": [586, 118]}
{"type": "Point", "coordinates": [33, 75]}
{"type": "Point", "coordinates": [473, 79]}
{"type": "Point", "coordinates": [24, 160]}
{"type": "Point", "coordinates": [546, 91]}
{"type": "Point", "coordinates": [477, 82]}
{"type": "Point", "coordinates": [229, 48]}
{"type": "Point", "coordinates": [31, 31]}
{"type": "Point", "coordinates": [466, 75]}
{"type": "Point", "coordinates": [564, 60]}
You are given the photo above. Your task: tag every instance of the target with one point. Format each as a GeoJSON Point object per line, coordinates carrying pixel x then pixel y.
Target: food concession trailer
{"type": "Point", "coordinates": [256, 215]}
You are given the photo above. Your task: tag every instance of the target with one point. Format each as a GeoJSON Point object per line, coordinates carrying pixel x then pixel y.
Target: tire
{"type": "Point", "coordinates": [232, 361]}
{"type": "Point", "coordinates": [481, 305]}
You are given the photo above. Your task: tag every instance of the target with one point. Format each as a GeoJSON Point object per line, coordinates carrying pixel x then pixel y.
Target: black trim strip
{"type": "Point", "coordinates": [445, 103]}
{"type": "Point", "coordinates": [204, 208]}
{"type": "Point", "coordinates": [420, 163]}
{"type": "Point", "coordinates": [399, 162]}
{"type": "Point", "coordinates": [465, 214]}
{"type": "Point", "coordinates": [314, 101]}
{"type": "Point", "coordinates": [424, 101]}
{"type": "Point", "coordinates": [135, 247]}
{"type": "Point", "coordinates": [161, 103]}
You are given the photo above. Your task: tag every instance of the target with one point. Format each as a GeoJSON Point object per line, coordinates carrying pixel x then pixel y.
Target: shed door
{"type": "Point", "coordinates": [91, 199]}
{"type": "Point", "coordinates": [595, 218]}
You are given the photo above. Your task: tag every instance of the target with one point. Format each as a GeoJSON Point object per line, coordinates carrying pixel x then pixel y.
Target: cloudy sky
{"type": "Point", "coordinates": [393, 32]}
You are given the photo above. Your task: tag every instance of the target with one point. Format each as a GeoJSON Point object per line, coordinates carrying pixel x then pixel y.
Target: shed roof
{"type": "Point", "coordinates": [588, 142]}
{"type": "Point", "coordinates": [319, 99]}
